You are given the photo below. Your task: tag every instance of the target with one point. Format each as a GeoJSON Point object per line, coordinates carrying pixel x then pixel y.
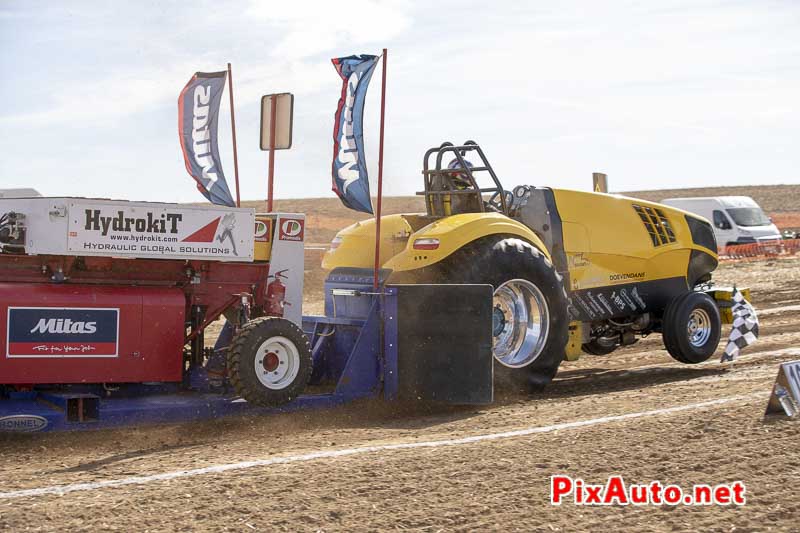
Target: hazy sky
{"type": "Point", "coordinates": [656, 94]}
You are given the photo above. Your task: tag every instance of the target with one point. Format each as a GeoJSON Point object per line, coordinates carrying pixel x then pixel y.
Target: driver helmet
{"type": "Point", "coordinates": [460, 179]}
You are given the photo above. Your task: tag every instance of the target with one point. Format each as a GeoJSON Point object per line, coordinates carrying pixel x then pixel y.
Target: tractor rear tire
{"type": "Point", "coordinates": [499, 260]}
{"type": "Point", "coordinates": [691, 327]}
{"type": "Point", "coordinates": [269, 361]}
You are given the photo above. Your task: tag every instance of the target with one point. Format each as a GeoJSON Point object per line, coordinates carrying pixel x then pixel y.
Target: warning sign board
{"type": "Point", "coordinates": [785, 398]}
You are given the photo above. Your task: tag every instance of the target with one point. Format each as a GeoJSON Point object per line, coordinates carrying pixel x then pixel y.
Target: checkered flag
{"type": "Point", "coordinates": [745, 327]}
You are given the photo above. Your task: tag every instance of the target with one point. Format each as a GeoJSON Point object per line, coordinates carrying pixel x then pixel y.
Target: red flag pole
{"type": "Point", "coordinates": [272, 113]}
{"type": "Point", "coordinates": [380, 177]}
{"type": "Point", "coordinates": [233, 130]}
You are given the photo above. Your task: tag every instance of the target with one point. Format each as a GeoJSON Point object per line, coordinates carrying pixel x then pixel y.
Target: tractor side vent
{"type": "Point", "coordinates": [656, 224]}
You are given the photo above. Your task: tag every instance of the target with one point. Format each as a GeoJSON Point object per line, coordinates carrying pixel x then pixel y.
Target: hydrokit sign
{"type": "Point", "coordinates": [156, 232]}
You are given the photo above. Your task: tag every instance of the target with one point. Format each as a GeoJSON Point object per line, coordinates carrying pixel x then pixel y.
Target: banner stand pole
{"type": "Point", "coordinates": [380, 178]}
{"type": "Point", "coordinates": [233, 131]}
{"type": "Point", "coordinates": [272, 112]}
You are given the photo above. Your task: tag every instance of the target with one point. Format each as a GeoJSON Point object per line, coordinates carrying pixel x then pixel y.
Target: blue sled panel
{"type": "Point", "coordinates": [34, 415]}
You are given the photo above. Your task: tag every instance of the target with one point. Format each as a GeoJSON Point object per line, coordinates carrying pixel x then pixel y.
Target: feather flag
{"type": "Point", "coordinates": [198, 109]}
{"type": "Point", "coordinates": [350, 179]}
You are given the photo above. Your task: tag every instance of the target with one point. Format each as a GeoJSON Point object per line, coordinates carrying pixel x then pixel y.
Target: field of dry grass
{"type": "Point", "coordinates": [326, 216]}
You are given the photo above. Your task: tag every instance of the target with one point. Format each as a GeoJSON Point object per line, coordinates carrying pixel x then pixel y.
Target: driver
{"type": "Point", "coordinates": [466, 203]}
{"type": "Point", "coordinates": [460, 179]}
{"type": "Point", "coordinates": [461, 203]}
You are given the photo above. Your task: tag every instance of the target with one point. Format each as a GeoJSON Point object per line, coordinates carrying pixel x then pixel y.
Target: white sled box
{"type": "Point", "coordinates": [116, 228]}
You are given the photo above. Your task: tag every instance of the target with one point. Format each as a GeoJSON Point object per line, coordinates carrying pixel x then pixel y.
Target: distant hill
{"type": "Point", "coordinates": [772, 198]}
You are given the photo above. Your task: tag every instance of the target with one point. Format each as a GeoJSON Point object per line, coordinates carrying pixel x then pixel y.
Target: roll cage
{"type": "Point", "coordinates": [444, 197]}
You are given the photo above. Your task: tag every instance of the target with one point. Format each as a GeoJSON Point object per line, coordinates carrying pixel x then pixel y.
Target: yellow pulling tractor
{"type": "Point", "coordinates": [572, 271]}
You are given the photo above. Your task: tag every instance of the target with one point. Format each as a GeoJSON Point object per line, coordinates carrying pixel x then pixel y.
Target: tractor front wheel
{"type": "Point", "coordinates": [269, 361]}
{"type": "Point", "coordinates": [691, 327]}
{"type": "Point", "coordinates": [530, 321]}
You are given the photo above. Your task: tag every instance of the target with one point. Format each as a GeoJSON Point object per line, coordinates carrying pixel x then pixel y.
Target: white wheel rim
{"type": "Point", "coordinates": [277, 363]}
{"type": "Point", "coordinates": [698, 328]}
{"type": "Point", "coordinates": [521, 322]}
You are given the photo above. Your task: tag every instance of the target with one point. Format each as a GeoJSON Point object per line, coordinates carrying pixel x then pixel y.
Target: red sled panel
{"type": "Point", "coordinates": [62, 333]}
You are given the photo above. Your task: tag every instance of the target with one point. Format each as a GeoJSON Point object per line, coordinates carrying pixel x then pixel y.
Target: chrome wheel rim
{"type": "Point", "coordinates": [520, 323]}
{"type": "Point", "coordinates": [699, 328]}
{"type": "Point", "coordinates": [277, 363]}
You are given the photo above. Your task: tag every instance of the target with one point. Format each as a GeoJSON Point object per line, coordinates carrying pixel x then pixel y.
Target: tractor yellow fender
{"type": "Point", "coordinates": [453, 233]}
{"type": "Point", "coordinates": [354, 245]}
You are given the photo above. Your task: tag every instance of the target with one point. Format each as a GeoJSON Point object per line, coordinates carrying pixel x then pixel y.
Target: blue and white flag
{"type": "Point", "coordinates": [350, 180]}
{"type": "Point", "coordinates": [198, 108]}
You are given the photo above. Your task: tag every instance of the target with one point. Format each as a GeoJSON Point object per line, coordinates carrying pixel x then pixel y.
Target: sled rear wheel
{"type": "Point", "coordinates": [269, 361]}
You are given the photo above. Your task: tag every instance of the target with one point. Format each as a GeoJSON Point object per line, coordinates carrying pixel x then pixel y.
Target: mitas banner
{"type": "Point", "coordinates": [350, 179]}
{"type": "Point", "coordinates": [198, 109]}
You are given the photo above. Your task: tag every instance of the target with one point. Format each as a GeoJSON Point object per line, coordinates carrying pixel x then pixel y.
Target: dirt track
{"type": "Point", "coordinates": [491, 484]}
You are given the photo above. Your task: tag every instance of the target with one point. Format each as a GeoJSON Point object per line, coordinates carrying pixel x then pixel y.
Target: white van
{"type": "Point", "coordinates": [736, 219]}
